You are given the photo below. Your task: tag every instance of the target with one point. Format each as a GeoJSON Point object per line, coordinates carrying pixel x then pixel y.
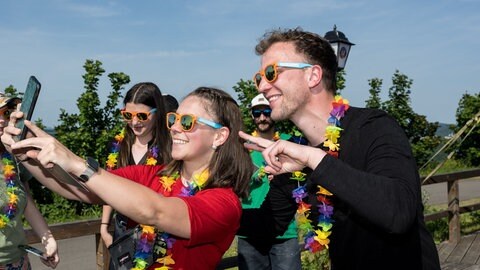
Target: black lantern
{"type": "Point", "coordinates": [340, 45]}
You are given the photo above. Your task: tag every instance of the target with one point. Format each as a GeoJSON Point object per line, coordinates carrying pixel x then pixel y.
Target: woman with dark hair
{"type": "Point", "coordinates": [143, 140]}
{"type": "Point", "coordinates": [192, 202]}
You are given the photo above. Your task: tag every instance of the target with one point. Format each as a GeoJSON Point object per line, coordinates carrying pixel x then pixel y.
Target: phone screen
{"type": "Point", "coordinates": [28, 104]}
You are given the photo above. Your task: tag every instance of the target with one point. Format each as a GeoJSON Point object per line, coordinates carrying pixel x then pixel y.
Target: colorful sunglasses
{"type": "Point", "coordinates": [141, 116]}
{"type": "Point", "coordinates": [266, 112]}
{"type": "Point", "coordinates": [187, 121]}
{"type": "Point", "coordinates": [270, 72]}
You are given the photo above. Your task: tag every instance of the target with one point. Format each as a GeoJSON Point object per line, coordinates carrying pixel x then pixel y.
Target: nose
{"type": "Point", "coordinates": [176, 127]}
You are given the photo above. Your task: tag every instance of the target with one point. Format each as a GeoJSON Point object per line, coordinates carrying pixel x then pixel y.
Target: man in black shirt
{"type": "Point", "coordinates": [361, 156]}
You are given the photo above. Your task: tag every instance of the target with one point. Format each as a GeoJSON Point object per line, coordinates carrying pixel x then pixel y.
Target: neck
{"type": "Point", "coordinates": [312, 119]}
{"type": "Point", "coordinates": [144, 139]}
{"type": "Point", "coordinates": [267, 134]}
{"type": "Point", "coordinates": [189, 169]}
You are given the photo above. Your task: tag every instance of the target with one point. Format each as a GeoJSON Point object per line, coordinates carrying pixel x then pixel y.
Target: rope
{"type": "Point", "coordinates": [475, 121]}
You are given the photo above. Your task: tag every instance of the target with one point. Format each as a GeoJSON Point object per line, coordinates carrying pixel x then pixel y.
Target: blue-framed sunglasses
{"type": "Point", "coordinates": [270, 72]}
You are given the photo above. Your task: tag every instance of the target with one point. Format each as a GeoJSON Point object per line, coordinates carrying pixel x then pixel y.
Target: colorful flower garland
{"type": "Point", "coordinates": [316, 237]}
{"type": "Point", "coordinates": [147, 237]}
{"type": "Point", "coordinates": [9, 174]}
{"type": "Point", "coordinates": [112, 158]}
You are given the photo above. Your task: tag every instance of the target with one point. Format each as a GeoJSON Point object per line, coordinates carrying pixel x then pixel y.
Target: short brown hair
{"type": "Point", "coordinates": [316, 49]}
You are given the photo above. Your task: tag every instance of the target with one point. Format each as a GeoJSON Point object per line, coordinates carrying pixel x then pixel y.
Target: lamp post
{"type": "Point", "coordinates": [340, 45]}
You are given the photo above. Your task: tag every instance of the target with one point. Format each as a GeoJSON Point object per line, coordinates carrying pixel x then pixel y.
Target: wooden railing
{"type": "Point", "coordinates": [91, 227]}
{"type": "Point", "coordinates": [454, 209]}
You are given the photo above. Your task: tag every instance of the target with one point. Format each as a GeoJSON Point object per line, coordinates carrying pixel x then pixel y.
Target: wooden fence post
{"type": "Point", "coordinates": [453, 212]}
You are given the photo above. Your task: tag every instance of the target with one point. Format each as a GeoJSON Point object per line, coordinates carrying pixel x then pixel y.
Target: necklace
{"type": "Point", "coordinates": [148, 236]}
{"type": "Point", "coordinates": [146, 243]}
{"type": "Point", "coordinates": [316, 237]}
{"type": "Point", "coordinates": [9, 174]}
{"type": "Point", "coordinates": [112, 158]}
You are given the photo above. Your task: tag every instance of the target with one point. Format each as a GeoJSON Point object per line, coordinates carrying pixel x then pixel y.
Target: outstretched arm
{"type": "Point", "coordinates": [131, 199]}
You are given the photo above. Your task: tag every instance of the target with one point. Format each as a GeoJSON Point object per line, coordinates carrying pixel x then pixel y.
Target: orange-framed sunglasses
{"type": "Point", "coordinates": [187, 121]}
{"type": "Point", "coordinates": [270, 72]}
{"type": "Point", "coordinates": [141, 116]}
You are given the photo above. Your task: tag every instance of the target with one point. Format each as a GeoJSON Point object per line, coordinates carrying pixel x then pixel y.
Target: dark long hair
{"type": "Point", "coordinates": [230, 165]}
{"type": "Point", "coordinates": [149, 94]}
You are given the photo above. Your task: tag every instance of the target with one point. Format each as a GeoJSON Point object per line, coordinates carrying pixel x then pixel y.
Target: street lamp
{"type": "Point", "coordinates": [340, 45]}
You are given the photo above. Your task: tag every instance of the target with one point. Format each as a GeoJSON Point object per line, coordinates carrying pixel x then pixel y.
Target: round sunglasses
{"type": "Point", "coordinates": [141, 116]}
{"type": "Point", "coordinates": [187, 121]}
{"type": "Point", "coordinates": [270, 72]}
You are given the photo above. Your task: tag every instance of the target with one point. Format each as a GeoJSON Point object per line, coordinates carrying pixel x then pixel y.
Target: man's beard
{"type": "Point", "coordinates": [264, 126]}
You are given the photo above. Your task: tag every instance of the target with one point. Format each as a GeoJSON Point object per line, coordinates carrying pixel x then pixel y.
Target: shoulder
{"type": "Point", "coordinates": [366, 117]}
{"type": "Point", "coordinates": [215, 198]}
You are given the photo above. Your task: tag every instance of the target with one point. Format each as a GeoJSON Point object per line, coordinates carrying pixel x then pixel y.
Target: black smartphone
{"type": "Point", "coordinates": [32, 250]}
{"type": "Point", "coordinates": [28, 104]}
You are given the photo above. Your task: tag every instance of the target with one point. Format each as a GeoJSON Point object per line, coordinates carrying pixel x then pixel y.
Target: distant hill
{"type": "Point", "coordinates": [444, 130]}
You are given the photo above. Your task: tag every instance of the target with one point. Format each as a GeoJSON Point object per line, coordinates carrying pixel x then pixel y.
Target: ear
{"type": "Point", "coordinates": [314, 76]}
{"type": "Point", "coordinates": [221, 136]}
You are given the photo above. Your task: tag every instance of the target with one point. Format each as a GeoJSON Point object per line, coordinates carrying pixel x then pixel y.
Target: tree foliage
{"type": "Point", "coordinates": [419, 131]}
{"type": "Point", "coordinates": [468, 114]}
{"type": "Point", "coordinates": [88, 132]}
{"type": "Point", "coordinates": [375, 88]}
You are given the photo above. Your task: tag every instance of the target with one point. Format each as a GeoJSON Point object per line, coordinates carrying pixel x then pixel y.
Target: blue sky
{"type": "Point", "coordinates": [182, 44]}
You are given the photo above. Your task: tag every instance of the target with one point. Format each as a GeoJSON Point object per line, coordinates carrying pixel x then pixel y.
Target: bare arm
{"type": "Point", "coordinates": [106, 218]}
{"type": "Point", "coordinates": [40, 227]}
{"type": "Point", "coordinates": [131, 199]}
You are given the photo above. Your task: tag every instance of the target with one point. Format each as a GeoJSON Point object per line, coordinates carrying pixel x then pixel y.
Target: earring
{"type": "Point", "coordinates": [214, 147]}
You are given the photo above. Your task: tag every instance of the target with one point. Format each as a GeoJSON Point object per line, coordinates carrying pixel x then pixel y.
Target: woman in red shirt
{"type": "Point", "coordinates": [198, 209]}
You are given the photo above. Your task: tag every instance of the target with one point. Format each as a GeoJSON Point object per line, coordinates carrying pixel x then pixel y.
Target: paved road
{"type": "Point", "coordinates": [79, 253]}
{"type": "Point", "coordinates": [75, 254]}
{"type": "Point", "coordinates": [468, 189]}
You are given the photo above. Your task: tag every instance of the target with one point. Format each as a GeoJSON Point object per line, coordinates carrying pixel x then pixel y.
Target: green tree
{"type": "Point", "coordinates": [374, 101]}
{"type": "Point", "coordinates": [468, 114]}
{"type": "Point", "coordinates": [88, 132]}
{"type": "Point", "coordinates": [419, 131]}
{"type": "Point", "coordinates": [340, 81]}
{"type": "Point", "coordinates": [11, 91]}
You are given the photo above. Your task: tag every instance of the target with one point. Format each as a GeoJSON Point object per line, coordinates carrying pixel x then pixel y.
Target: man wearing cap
{"type": "Point", "coordinates": [264, 252]}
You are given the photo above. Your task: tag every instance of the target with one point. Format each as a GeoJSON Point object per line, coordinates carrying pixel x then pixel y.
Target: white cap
{"type": "Point", "coordinates": [259, 100]}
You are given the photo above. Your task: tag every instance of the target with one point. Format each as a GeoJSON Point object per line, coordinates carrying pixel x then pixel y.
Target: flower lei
{"type": "Point", "coordinates": [9, 174]}
{"type": "Point", "coordinates": [112, 158]}
{"type": "Point", "coordinates": [316, 237]}
{"type": "Point", "coordinates": [145, 244]}
{"type": "Point", "coordinates": [147, 237]}
{"type": "Point", "coordinates": [261, 170]}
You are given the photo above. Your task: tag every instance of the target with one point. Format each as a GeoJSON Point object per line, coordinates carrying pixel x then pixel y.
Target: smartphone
{"type": "Point", "coordinates": [32, 250]}
{"type": "Point", "coordinates": [28, 104]}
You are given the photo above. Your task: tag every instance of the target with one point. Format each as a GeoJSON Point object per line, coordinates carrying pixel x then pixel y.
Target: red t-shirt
{"type": "Point", "coordinates": [214, 218]}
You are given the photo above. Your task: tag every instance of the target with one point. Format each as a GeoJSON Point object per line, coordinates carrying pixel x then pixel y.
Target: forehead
{"type": "Point", "coordinates": [281, 52]}
{"type": "Point", "coordinates": [193, 105]}
{"type": "Point", "coordinates": [137, 107]}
